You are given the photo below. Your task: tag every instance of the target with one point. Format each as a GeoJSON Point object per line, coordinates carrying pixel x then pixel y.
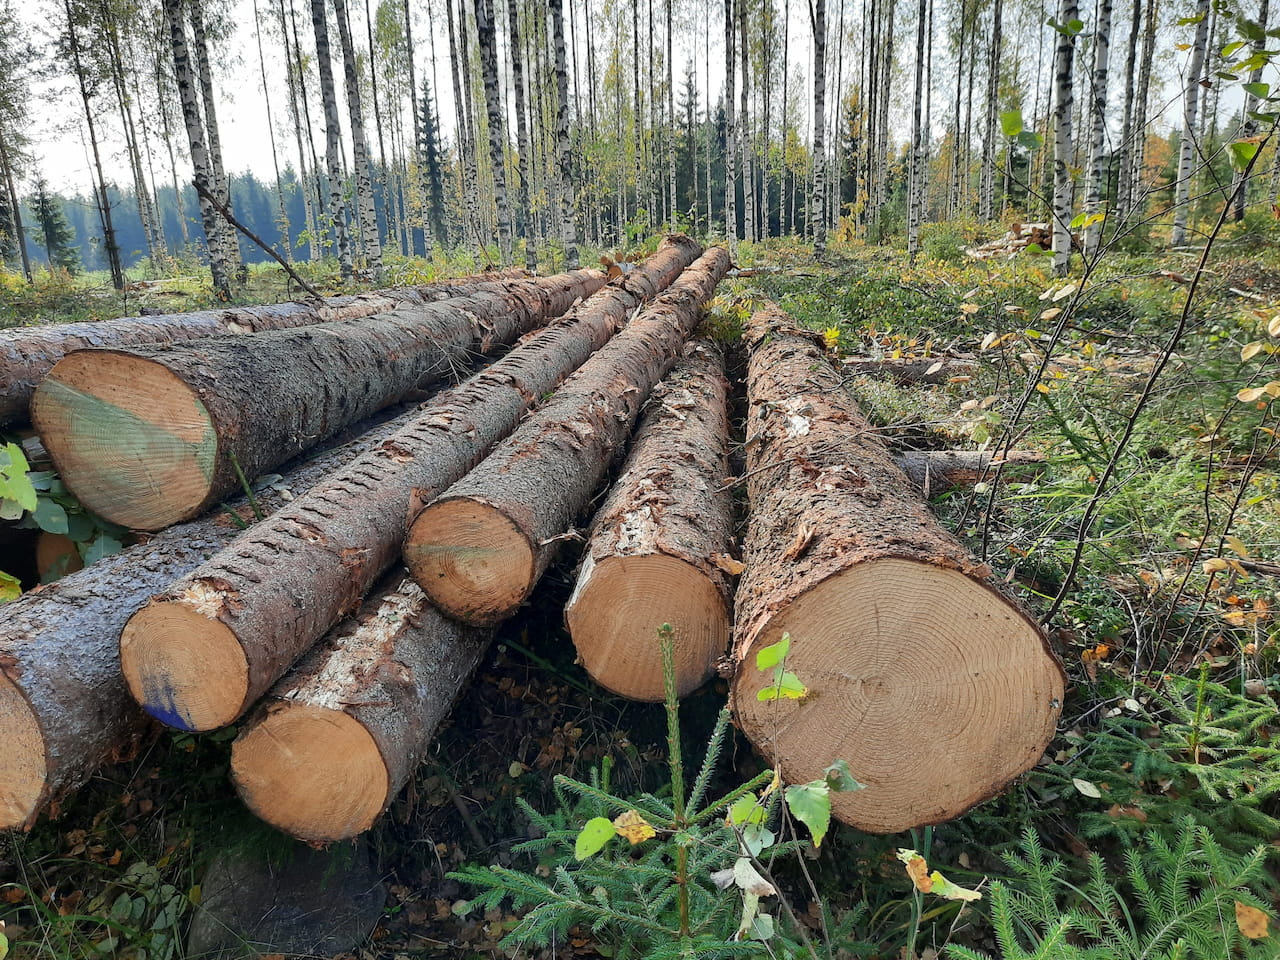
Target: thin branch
{"type": "Point", "coordinates": [230, 218]}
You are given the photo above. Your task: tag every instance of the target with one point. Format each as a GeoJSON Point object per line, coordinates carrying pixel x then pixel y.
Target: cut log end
{"type": "Point", "coordinates": [620, 604]}
{"type": "Point", "coordinates": [184, 668]}
{"type": "Point", "coordinates": [314, 773]}
{"type": "Point", "coordinates": [134, 442]}
{"type": "Point", "coordinates": [22, 786]}
{"type": "Point", "coordinates": [903, 658]}
{"type": "Point", "coordinates": [473, 562]}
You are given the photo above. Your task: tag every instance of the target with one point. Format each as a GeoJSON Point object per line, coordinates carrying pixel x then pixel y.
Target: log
{"type": "Point", "coordinates": [910, 372]}
{"type": "Point", "coordinates": [64, 707]}
{"type": "Point", "coordinates": [151, 436]}
{"type": "Point", "coordinates": [27, 354]}
{"type": "Point", "coordinates": [204, 650]}
{"type": "Point", "coordinates": [323, 756]}
{"type": "Point", "coordinates": [933, 471]}
{"type": "Point", "coordinates": [659, 544]}
{"type": "Point", "coordinates": [932, 684]}
{"type": "Point", "coordinates": [480, 548]}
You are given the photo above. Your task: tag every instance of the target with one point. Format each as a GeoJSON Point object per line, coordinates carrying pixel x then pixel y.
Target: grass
{"type": "Point", "coordinates": [1171, 652]}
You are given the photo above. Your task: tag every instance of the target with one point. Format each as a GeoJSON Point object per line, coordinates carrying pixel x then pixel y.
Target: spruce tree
{"type": "Point", "coordinates": [59, 237]}
{"type": "Point", "coordinates": [429, 153]}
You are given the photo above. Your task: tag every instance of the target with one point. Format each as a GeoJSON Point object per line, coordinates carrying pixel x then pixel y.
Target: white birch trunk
{"type": "Point", "coordinates": [360, 146]}
{"type": "Point", "coordinates": [1098, 135]}
{"type": "Point", "coordinates": [1063, 184]}
{"type": "Point", "coordinates": [333, 138]}
{"type": "Point", "coordinates": [1191, 112]}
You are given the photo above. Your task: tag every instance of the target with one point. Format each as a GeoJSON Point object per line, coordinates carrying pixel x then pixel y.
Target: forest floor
{"type": "Point", "coordinates": [1152, 818]}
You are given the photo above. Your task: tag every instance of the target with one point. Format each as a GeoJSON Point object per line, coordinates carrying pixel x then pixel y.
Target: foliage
{"type": "Point", "coordinates": [1174, 899]}
{"type": "Point", "coordinates": [662, 895]}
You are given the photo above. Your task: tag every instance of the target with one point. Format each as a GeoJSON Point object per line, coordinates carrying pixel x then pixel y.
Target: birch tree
{"type": "Point", "coordinates": [730, 137]}
{"type": "Point", "coordinates": [568, 223]}
{"type": "Point", "coordinates": [183, 75]}
{"type": "Point", "coordinates": [1191, 111]}
{"type": "Point", "coordinates": [359, 145]}
{"type": "Point", "coordinates": [916, 186]}
{"type": "Point", "coordinates": [1068, 26]}
{"type": "Point", "coordinates": [817, 209]}
{"type": "Point", "coordinates": [487, 39]}
{"type": "Point", "coordinates": [333, 138]}
{"type": "Point", "coordinates": [1097, 139]}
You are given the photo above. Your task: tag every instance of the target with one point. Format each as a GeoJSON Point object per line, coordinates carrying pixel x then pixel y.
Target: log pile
{"type": "Point", "coordinates": [344, 624]}
{"type": "Point", "coordinates": [1019, 237]}
{"type": "Point", "coordinates": [27, 354]}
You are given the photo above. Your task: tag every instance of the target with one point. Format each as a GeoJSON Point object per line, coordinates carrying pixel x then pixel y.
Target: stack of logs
{"type": "Point", "coordinates": [339, 628]}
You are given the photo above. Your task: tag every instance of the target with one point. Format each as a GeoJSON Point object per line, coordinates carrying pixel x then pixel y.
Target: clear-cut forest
{"type": "Point", "coordinates": [663, 479]}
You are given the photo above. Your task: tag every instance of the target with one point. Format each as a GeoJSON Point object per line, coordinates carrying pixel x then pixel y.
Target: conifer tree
{"type": "Point", "coordinates": [59, 238]}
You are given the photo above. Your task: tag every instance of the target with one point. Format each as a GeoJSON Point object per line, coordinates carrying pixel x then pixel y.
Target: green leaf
{"type": "Point", "coordinates": [769, 657]}
{"type": "Point", "coordinates": [4, 946]}
{"type": "Point", "coordinates": [50, 516]}
{"type": "Point", "coordinates": [762, 927]}
{"type": "Point", "coordinates": [1231, 48]}
{"type": "Point", "coordinates": [785, 686]}
{"type": "Point", "coordinates": [1226, 75]}
{"type": "Point", "coordinates": [1259, 90]}
{"type": "Point", "coordinates": [1077, 221]}
{"type": "Point", "coordinates": [1242, 153]}
{"type": "Point", "coordinates": [840, 779]}
{"type": "Point", "coordinates": [80, 527]}
{"type": "Point", "coordinates": [1188, 21]}
{"type": "Point", "coordinates": [1011, 122]}
{"type": "Point", "coordinates": [810, 803]}
{"type": "Point", "coordinates": [746, 809]}
{"type": "Point", "coordinates": [757, 839]}
{"type": "Point", "coordinates": [1074, 27]}
{"type": "Point", "coordinates": [10, 589]}
{"type": "Point", "coordinates": [593, 837]}
{"type": "Point", "coordinates": [1251, 31]}
{"type": "Point", "coordinates": [1030, 140]}
{"type": "Point", "coordinates": [104, 546]}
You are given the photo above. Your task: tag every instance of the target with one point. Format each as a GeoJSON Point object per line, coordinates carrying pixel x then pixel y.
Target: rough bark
{"type": "Point", "coordinates": [933, 685]}
{"type": "Point", "coordinates": [522, 136]}
{"type": "Point", "coordinates": [150, 436]}
{"type": "Point", "coordinates": [1124, 151]}
{"type": "Point", "coordinates": [986, 209]}
{"type": "Point", "coordinates": [1137, 195]}
{"type": "Point", "coordinates": [654, 543]}
{"type": "Point", "coordinates": [480, 548]}
{"type": "Point", "coordinates": [334, 741]}
{"type": "Point", "coordinates": [916, 183]}
{"type": "Point", "coordinates": [27, 354]}
{"type": "Point", "coordinates": [933, 471]}
{"type": "Point", "coordinates": [263, 613]}
{"type": "Point", "coordinates": [1187, 144]}
{"type": "Point", "coordinates": [1063, 182]}
{"type": "Point", "coordinates": [64, 707]}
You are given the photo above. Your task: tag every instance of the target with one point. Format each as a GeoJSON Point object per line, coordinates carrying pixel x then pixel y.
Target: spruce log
{"type": "Point", "coordinates": [27, 354]}
{"type": "Point", "coordinates": [150, 436]}
{"type": "Point", "coordinates": [652, 556]}
{"type": "Point", "coordinates": [334, 742]}
{"type": "Point", "coordinates": [931, 683]}
{"type": "Point", "coordinates": [203, 651]}
{"type": "Point", "coordinates": [64, 707]}
{"type": "Point", "coordinates": [480, 548]}
{"type": "Point", "coordinates": [910, 371]}
{"type": "Point", "coordinates": [933, 471]}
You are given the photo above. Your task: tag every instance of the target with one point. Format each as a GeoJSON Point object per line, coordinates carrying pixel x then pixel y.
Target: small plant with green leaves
{"type": "Point", "coordinates": [1186, 898]}
{"type": "Point", "coordinates": [665, 891]}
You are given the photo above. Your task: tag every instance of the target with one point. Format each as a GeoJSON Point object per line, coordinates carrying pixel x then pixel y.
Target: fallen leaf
{"type": "Point", "coordinates": [746, 877]}
{"type": "Point", "coordinates": [1252, 922]}
{"type": "Point", "coordinates": [1087, 788]}
{"type": "Point", "coordinates": [917, 869]}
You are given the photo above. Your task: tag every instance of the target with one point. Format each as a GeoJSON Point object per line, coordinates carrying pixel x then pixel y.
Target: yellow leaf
{"type": "Point", "coordinates": [633, 827]}
{"type": "Point", "coordinates": [989, 340]}
{"type": "Point", "coordinates": [1250, 394]}
{"type": "Point", "coordinates": [1051, 313]}
{"type": "Point", "coordinates": [1272, 389]}
{"type": "Point", "coordinates": [969, 308]}
{"type": "Point", "coordinates": [945, 888]}
{"type": "Point", "coordinates": [1252, 922]}
{"type": "Point", "coordinates": [1237, 546]}
{"type": "Point", "coordinates": [1065, 292]}
{"type": "Point", "coordinates": [1251, 350]}
{"type": "Point", "coordinates": [1273, 327]}
{"type": "Point", "coordinates": [1042, 387]}
{"type": "Point", "coordinates": [728, 564]}
{"type": "Point", "coordinates": [1216, 565]}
